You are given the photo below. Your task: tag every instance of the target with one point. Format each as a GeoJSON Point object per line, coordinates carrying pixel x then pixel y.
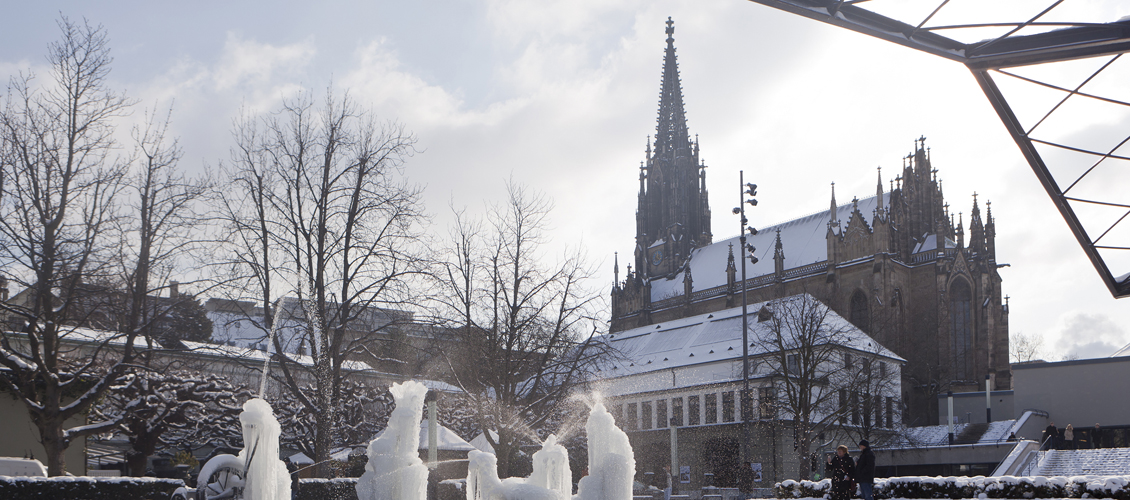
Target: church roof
{"type": "Point", "coordinates": [804, 242]}
{"type": "Point", "coordinates": [707, 344]}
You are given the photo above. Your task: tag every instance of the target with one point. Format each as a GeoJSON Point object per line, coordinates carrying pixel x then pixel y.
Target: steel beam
{"type": "Point", "coordinates": [1084, 40]}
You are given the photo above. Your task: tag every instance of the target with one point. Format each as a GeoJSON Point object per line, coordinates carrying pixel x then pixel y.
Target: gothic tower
{"type": "Point", "coordinates": [673, 215]}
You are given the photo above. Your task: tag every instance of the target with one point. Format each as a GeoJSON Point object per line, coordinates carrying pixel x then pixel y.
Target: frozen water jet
{"type": "Point", "coordinates": [265, 474]}
{"type": "Point", "coordinates": [395, 471]}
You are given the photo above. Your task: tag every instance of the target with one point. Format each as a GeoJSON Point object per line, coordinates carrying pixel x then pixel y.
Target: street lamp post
{"type": "Point", "coordinates": [751, 190]}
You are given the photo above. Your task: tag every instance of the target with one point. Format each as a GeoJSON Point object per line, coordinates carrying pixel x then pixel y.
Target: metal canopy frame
{"type": "Point", "coordinates": [1061, 41]}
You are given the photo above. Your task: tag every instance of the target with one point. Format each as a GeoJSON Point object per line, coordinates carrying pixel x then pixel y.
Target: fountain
{"type": "Point", "coordinates": [395, 471]}
{"type": "Point", "coordinates": [611, 462]}
{"type": "Point", "coordinates": [265, 475]}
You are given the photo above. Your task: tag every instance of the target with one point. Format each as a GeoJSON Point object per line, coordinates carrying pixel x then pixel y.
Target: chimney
{"type": "Point", "coordinates": [174, 289]}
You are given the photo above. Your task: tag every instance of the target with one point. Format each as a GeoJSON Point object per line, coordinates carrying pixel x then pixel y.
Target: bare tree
{"type": "Point", "coordinates": [1023, 347]}
{"type": "Point", "coordinates": [804, 344]}
{"type": "Point", "coordinates": [526, 328]}
{"type": "Point", "coordinates": [56, 213]}
{"type": "Point", "coordinates": [328, 218]}
{"type": "Point", "coordinates": [873, 394]}
{"type": "Point", "coordinates": [159, 227]}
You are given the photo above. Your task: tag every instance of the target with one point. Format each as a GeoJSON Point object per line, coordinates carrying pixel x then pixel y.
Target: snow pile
{"type": "Point", "coordinates": [611, 461]}
{"type": "Point", "coordinates": [395, 471]}
{"type": "Point", "coordinates": [265, 474]}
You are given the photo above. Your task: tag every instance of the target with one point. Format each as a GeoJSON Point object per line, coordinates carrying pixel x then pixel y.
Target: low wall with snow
{"type": "Point", "coordinates": [1117, 487]}
{"type": "Point", "coordinates": [86, 488]}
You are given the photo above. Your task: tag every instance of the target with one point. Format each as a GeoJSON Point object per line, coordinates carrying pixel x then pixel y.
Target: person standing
{"type": "Point", "coordinates": [865, 471]}
{"type": "Point", "coordinates": [1069, 437]}
{"type": "Point", "coordinates": [668, 489]}
{"type": "Point", "coordinates": [1050, 435]}
{"type": "Point", "coordinates": [842, 473]}
{"type": "Point", "coordinates": [745, 478]}
{"type": "Point", "coordinates": [1097, 436]}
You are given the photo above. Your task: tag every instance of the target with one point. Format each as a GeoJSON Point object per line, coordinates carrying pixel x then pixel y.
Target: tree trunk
{"type": "Point", "coordinates": [136, 463]}
{"type": "Point", "coordinates": [56, 448]}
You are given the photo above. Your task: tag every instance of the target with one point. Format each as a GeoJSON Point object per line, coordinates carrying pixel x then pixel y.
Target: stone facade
{"type": "Point", "coordinates": [900, 265]}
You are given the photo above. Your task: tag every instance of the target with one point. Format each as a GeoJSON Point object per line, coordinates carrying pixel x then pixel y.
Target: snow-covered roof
{"type": "Point", "coordinates": [930, 242]}
{"type": "Point", "coordinates": [482, 444]}
{"type": "Point", "coordinates": [447, 439]}
{"type": "Point", "coordinates": [300, 459]}
{"type": "Point", "coordinates": [804, 241]}
{"type": "Point", "coordinates": [93, 336]}
{"type": "Point", "coordinates": [707, 339]}
{"type": "Point", "coordinates": [228, 351]}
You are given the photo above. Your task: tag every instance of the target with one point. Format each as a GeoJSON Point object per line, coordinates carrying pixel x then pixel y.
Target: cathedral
{"type": "Point", "coordinates": [899, 265]}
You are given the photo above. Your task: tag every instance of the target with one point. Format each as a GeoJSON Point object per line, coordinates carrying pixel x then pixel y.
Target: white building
{"type": "Point", "coordinates": [689, 371]}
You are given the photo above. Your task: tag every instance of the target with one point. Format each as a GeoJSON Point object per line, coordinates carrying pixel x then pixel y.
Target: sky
{"type": "Point", "coordinates": [561, 96]}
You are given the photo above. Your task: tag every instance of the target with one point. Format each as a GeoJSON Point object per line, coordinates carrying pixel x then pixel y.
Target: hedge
{"type": "Point", "coordinates": [346, 489]}
{"type": "Point", "coordinates": [148, 488]}
{"type": "Point", "coordinates": [87, 488]}
{"type": "Point", "coordinates": [1117, 487]}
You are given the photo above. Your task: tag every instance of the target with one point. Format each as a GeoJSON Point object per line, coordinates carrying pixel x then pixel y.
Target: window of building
{"type": "Point", "coordinates": [618, 414]}
{"type": "Point", "coordinates": [677, 411]}
{"type": "Point", "coordinates": [867, 367]}
{"type": "Point", "coordinates": [793, 364]}
{"type": "Point", "coordinates": [860, 311]}
{"type": "Point", "coordinates": [882, 369]}
{"type": "Point", "coordinates": [961, 320]}
{"type": "Point", "coordinates": [711, 408]}
{"type": "Point", "coordinates": [645, 415]}
{"type": "Point", "coordinates": [847, 360]}
{"type": "Point", "coordinates": [878, 411]}
{"type": "Point", "coordinates": [854, 408]}
{"type": "Point", "coordinates": [633, 417]}
{"type": "Point", "coordinates": [767, 397]}
{"type": "Point", "coordinates": [843, 406]}
{"type": "Point", "coordinates": [693, 410]}
{"type": "Point", "coordinates": [728, 406]}
{"type": "Point", "coordinates": [661, 414]}
{"type": "Point", "coordinates": [890, 413]}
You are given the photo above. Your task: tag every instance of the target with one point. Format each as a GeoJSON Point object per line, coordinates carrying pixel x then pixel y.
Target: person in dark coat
{"type": "Point", "coordinates": [1097, 437]}
{"type": "Point", "coordinates": [1051, 433]}
{"type": "Point", "coordinates": [865, 470]}
{"type": "Point", "coordinates": [745, 478]}
{"type": "Point", "coordinates": [842, 473]}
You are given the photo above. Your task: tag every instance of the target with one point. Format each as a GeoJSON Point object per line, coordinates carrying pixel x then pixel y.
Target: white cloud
{"type": "Point", "coordinates": [1088, 335]}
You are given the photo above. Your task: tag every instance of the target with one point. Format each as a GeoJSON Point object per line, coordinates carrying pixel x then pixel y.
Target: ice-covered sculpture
{"type": "Point", "coordinates": [611, 462]}
{"type": "Point", "coordinates": [395, 471]}
{"type": "Point", "coordinates": [265, 474]}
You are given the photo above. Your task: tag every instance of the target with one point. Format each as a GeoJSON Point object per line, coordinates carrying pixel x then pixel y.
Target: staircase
{"type": "Point", "coordinates": [970, 434]}
{"type": "Point", "coordinates": [1102, 462]}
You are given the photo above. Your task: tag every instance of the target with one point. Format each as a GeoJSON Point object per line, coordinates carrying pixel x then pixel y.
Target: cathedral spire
{"type": "Point", "coordinates": [832, 220]}
{"type": "Point", "coordinates": [671, 131]}
{"type": "Point", "coordinates": [615, 268]}
{"type": "Point", "coordinates": [976, 228]}
{"type": "Point", "coordinates": [879, 194]}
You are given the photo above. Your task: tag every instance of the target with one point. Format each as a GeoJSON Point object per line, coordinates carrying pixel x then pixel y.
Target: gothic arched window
{"type": "Point", "coordinates": [962, 328]}
{"type": "Point", "coordinates": [860, 311]}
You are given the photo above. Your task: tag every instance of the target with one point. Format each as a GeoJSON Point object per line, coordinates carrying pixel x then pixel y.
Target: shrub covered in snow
{"type": "Point", "coordinates": [1117, 487]}
{"type": "Point", "coordinates": [86, 488]}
